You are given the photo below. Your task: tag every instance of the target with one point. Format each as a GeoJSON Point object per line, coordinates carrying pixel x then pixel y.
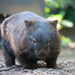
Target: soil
{"type": "Point", "coordinates": [66, 66]}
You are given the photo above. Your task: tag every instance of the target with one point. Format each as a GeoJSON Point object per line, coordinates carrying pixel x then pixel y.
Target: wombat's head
{"type": "Point", "coordinates": [39, 37]}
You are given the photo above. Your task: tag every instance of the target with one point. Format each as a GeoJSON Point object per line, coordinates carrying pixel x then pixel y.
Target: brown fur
{"type": "Point", "coordinates": [17, 33]}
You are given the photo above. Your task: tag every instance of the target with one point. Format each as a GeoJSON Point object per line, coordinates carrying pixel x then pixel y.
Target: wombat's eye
{"type": "Point", "coordinates": [49, 41]}
{"type": "Point", "coordinates": [34, 41]}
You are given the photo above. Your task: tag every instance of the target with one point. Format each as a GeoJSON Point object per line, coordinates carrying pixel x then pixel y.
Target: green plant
{"type": "Point", "coordinates": [59, 9]}
{"type": "Point", "coordinates": [65, 41]}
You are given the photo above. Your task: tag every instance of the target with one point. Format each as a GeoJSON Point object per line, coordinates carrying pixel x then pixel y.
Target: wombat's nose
{"type": "Point", "coordinates": [42, 53]}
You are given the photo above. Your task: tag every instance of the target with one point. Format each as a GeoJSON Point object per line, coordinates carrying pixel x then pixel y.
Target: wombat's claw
{"type": "Point", "coordinates": [56, 67]}
{"type": "Point", "coordinates": [22, 68]}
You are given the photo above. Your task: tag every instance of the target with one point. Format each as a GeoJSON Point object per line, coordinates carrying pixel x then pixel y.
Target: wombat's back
{"type": "Point", "coordinates": [18, 21]}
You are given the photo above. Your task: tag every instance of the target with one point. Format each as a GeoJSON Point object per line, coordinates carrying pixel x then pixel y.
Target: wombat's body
{"type": "Point", "coordinates": [29, 38]}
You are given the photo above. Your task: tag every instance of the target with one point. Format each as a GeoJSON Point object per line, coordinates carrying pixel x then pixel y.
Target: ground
{"type": "Point", "coordinates": [66, 64]}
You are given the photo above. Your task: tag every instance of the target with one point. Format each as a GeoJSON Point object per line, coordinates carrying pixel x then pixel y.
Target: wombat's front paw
{"type": "Point", "coordinates": [41, 64]}
{"type": "Point", "coordinates": [52, 66]}
{"type": "Point", "coordinates": [22, 68]}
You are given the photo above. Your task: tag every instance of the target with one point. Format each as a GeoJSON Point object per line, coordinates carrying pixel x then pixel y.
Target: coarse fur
{"type": "Point", "coordinates": [29, 38]}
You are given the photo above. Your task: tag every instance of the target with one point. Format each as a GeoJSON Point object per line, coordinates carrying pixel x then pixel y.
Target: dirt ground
{"type": "Point", "coordinates": [66, 64]}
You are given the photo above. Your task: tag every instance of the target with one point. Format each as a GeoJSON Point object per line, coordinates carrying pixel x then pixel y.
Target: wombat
{"type": "Point", "coordinates": [29, 38]}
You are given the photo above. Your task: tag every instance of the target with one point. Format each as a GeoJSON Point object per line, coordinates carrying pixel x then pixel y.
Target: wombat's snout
{"type": "Point", "coordinates": [42, 54]}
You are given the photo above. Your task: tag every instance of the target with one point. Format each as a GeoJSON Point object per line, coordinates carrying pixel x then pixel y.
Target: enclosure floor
{"type": "Point", "coordinates": [66, 64]}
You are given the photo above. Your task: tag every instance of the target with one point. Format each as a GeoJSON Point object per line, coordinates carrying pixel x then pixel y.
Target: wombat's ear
{"type": "Point", "coordinates": [54, 23]}
{"type": "Point", "coordinates": [28, 23]}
